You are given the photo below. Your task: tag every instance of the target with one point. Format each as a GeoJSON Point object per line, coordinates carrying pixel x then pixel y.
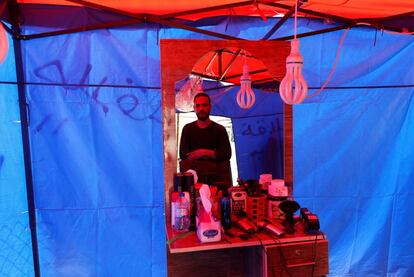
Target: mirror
{"type": "Point", "coordinates": [178, 58]}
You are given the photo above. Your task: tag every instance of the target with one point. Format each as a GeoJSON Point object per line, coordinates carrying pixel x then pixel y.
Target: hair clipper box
{"type": "Point", "coordinates": [238, 199]}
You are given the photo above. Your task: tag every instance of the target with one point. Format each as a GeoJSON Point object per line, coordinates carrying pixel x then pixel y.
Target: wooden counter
{"type": "Point", "coordinates": [263, 254]}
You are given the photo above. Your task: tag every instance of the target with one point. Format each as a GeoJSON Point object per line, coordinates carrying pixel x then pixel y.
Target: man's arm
{"type": "Point", "coordinates": [201, 154]}
{"type": "Point", "coordinates": [223, 152]}
{"type": "Point", "coordinates": [184, 143]}
{"type": "Point", "coordinates": [197, 154]}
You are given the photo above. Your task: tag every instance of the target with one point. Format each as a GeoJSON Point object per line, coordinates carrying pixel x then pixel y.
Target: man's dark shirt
{"type": "Point", "coordinates": [213, 137]}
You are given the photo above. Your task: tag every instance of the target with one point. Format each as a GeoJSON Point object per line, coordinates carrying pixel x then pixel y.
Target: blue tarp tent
{"type": "Point", "coordinates": [93, 104]}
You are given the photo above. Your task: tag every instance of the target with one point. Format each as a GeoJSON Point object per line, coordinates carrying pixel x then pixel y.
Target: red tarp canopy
{"type": "Point", "coordinates": [388, 15]}
{"type": "Point", "coordinates": [381, 14]}
{"type": "Point", "coordinates": [342, 8]}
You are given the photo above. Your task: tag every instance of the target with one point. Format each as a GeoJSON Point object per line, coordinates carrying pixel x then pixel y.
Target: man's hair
{"type": "Point", "coordinates": [202, 94]}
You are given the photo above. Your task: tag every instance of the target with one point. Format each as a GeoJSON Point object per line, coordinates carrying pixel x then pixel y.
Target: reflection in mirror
{"type": "Point", "coordinates": [184, 118]}
{"type": "Point", "coordinates": [256, 133]}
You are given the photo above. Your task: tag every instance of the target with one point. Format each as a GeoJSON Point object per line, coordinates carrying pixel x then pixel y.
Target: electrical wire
{"type": "Point", "coordinates": [404, 32]}
{"type": "Point", "coordinates": [315, 246]}
{"type": "Point", "coordinates": [295, 21]}
{"type": "Point", "coordinates": [283, 262]}
{"type": "Point", "coordinates": [277, 243]}
{"type": "Point", "coordinates": [333, 67]}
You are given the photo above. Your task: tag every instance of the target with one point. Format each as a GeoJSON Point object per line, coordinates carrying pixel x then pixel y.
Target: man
{"type": "Point", "coordinates": [204, 140]}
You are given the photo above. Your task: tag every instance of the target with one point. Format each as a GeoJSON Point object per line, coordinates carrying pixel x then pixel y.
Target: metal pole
{"type": "Point", "coordinates": [14, 16]}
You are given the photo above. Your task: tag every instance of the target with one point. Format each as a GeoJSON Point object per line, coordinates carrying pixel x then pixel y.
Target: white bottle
{"type": "Point", "coordinates": [180, 213]}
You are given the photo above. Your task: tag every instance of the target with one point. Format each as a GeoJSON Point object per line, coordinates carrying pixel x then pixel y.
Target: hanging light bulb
{"type": "Point", "coordinates": [184, 98]}
{"type": "Point", "coordinates": [194, 85]}
{"type": "Point", "coordinates": [293, 88]}
{"type": "Point", "coordinates": [245, 96]}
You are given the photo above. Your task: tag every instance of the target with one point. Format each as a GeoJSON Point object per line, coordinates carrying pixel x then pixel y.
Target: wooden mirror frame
{"type": "Point", "coordinates": [178, 57]}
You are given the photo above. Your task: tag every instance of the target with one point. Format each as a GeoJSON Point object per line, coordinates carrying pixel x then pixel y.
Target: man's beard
{"type": "Point", "coordinates": [202, 116]}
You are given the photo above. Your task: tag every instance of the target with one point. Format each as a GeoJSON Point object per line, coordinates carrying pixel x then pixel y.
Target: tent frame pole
{"type": "Point", "coordinates": [153, 19]}
{"type": "Point", "coordinates": [313, 33]}
{"type": "Point", "coordinates": [281, 21]}
{"type": "Point", "coordinates": [14, 15]}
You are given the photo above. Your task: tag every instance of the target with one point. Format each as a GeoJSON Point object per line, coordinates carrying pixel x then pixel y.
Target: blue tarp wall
{"type": "Point", "coordinates": [96, 143]}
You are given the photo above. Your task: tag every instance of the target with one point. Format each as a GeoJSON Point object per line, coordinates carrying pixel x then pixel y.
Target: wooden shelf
{"type": "Point", "coordinates": [188, 242]}
{"type": "Point", "coordinates": [301, 259]}
{"type": "Point", "coordinates": [299, 255]}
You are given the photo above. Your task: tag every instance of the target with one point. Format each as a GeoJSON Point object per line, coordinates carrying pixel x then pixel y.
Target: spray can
{"type": "Point", "coordinates": [189, 186]}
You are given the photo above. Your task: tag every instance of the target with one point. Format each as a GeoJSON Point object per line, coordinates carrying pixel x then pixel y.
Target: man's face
{"type": "Point", "coordinates": [202, 108]}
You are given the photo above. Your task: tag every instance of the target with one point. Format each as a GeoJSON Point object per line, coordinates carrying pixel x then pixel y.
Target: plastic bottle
{"type": "Point", "coordinates": [181, 213]}
{"type": "Point", "coordinates": [265, 181]}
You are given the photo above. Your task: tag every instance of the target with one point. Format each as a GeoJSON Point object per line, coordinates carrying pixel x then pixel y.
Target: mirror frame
{"type": "Point", "coordinates": [178, 57]}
